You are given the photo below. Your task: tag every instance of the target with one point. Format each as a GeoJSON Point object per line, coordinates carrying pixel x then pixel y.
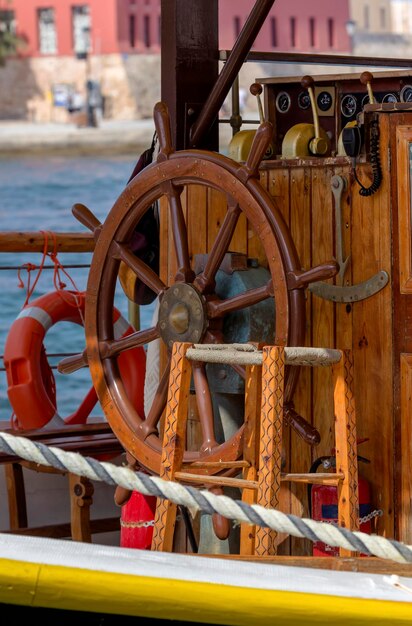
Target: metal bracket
{"type": "Point", "coordinates": [340, 292]}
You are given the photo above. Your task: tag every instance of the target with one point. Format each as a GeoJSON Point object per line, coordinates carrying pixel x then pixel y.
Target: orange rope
{"type": "Point", "coordinates": [58, 271]}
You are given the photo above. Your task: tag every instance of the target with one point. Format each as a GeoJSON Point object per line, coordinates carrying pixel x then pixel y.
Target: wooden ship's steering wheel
{"type": "Point", "coordinates": [190, 310]}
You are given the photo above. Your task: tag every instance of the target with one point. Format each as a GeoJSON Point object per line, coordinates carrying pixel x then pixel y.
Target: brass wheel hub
{"type": "Point", "coordinates": [182, 315]}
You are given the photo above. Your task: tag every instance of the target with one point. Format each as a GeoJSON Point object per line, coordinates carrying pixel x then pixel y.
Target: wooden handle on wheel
{"type": "Point", "coordinates": [86, 217]}
{"type": "Point", "coordinates": [71, 364]}
{"type": "Point", "coordinates": [164, 134]}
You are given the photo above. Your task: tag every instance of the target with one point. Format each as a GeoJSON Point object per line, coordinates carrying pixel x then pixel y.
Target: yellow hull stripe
{"type": "Point", "coordinates": [60, 587]}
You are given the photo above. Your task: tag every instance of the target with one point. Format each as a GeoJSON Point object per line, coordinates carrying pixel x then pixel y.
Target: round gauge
{"type": "Point", "coordinates": [406, 93]}
{"type": "Point", "coordinates": [390, 97]}
{"type": "Point", "coordinates": [324, 101]}
{"type": "Point", "coordinates": [365, 100]}
{"type": "Point", "coordinates": [283, 102]}
{"type": "Point", "coordinates": [303, 100]}
{"type": "Point", "coordinates": [348, 106]}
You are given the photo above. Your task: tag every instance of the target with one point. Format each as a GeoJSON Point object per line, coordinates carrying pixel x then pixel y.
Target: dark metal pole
{"type": "Point", "coordinates": [230, 70]}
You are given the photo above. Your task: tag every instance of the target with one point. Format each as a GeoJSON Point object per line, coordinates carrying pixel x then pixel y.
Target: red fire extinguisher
{"type": "Point", "coordinates": [136, 522]}
{"type": "Point", "coordinates": [323, 504]}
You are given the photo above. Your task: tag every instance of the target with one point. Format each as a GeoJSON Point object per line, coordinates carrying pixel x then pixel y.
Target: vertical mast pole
{"type": "Point", "coordinates": [189, 65]}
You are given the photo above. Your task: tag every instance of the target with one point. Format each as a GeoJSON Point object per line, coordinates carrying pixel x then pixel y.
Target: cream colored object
{"type": "Point", "coordinates": [240, 144]}
{"type": "Point", "coordinates": [298, 142]}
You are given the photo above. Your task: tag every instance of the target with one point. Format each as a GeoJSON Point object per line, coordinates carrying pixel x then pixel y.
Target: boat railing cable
{"type": "Point", "coordinates": [204, 500]}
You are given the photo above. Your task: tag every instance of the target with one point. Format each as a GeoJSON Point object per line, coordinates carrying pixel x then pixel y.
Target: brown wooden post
{"type": "Point", "coordinates": [189, 64]}
{"type": "Point", "coordinates": [16, 496]}
{"type": "Point", "coordinates": [345, 444]}
{"type": "Point", "coordinates": [174, 441]}
{"type": "Point", "coordinates": [270, 454]}
{"type": "Point", "coordinates": [81, 492]}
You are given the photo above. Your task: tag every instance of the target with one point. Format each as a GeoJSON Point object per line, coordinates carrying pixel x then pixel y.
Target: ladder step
{"type": "Point", "coordinates": [240, 483]}
{"type": "Point", "coordinates": [215, 465]}
{"type": "Point", "coordinates": [223, 481]}
{"type": "Point", "coordinates": [316, 479]}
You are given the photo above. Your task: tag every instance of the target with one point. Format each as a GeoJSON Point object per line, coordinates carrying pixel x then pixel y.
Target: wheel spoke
{"type": "Point", "coordinates": [149, 425]}
{"type": "Point", "coordinates": [142, 271]}
{"type": "Point", "coordinates": [113, 347]}
{"type": "Point", "coordinates": [205, 281]}
{"type": "Point", "coordinates": [219, 308]}
{"type": "Point", "coordinates": [205, 406]}
{"type": "Point", "coordinates": [180, 239]}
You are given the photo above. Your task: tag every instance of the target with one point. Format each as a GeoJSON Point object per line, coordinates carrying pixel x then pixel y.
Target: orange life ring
{"type": "Point", "coordinates": [31, 385]}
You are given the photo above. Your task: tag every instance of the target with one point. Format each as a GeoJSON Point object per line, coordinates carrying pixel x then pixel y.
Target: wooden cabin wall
{"type": "Point", "coordinates": [378, 329]}
{"type": "Point", "coordinates": [364, 326]}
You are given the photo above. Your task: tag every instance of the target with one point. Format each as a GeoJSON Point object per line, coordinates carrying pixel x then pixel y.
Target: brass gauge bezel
{"type": "Point", "coordinates": [283, 94]}
{"type": "Point", "coordinates": [346, 97]}
{"type": "Point", "coordinates": [387, 95]}
{"type": "Point", "coordinates": [403, 90]}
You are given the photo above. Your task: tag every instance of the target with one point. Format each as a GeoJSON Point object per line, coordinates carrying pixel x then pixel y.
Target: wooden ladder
{"type": "Point", "coordinates": [262, 442]}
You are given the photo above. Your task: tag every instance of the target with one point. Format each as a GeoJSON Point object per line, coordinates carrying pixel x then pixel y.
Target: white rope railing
{"type": "Point", "coordinates": [204, 500]}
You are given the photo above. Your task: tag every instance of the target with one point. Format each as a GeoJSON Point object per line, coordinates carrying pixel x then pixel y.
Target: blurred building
{"type": "Point", "coordinates": [116, 44]}
{"type": "Point", "coordinates": [381, 28]}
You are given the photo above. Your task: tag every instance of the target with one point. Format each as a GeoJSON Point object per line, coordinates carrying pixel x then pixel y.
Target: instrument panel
{"type": "Point", "coordinates": [339, 98]}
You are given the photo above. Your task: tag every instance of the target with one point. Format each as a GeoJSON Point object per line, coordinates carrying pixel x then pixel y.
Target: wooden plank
{"type": "Point", "coordinates": [278, 186]}
{"type": "Point", "coordinates": [373, 347]}
{"type": "Point", "coordinates": [405, 503]}
{"type": "Point", "coordinates": [35, 242]}
{"type": "Point", "coordinates": [344, 311]}
{"type": "Point", "coordinates": [197, 219]}
{"type": "Point", "coordinates": [299, 452]}
{"type": "Point", "coordinates": [216, 212]}
{"type": "Point", "coordinates": [403, 181]}
{"type": "Point", "coordinates": [323, 314]}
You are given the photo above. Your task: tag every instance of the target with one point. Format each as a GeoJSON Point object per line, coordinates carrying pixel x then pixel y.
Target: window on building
{"type": "Point", "coordinates": [146, 31]}
{"type": "Point", "coordinates": [312, 32]}
{"type": "Point", "coordinates": [383, 18]}
{"type": "Point", "coordinates": [293, 32]}
{"type": "Point", "coordinates": [237, 26]}
{"type": "Point", "coordinates": [7, 22]}
{"type": "Point", "coordinates": [274, 32]}
{"type": "Point", "coordinates": [47, 31]}
{"type": "Point", "coordinates": [132, 31]}
{"type": "Point", "coordinates": [331, 32]}
{"type": "Point", "coordinates": [366, 17]}
{"type": "Point", "coordinates": [81, 30]}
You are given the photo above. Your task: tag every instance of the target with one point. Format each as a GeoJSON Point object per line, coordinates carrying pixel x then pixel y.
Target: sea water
{"type": "Point", "coordinates": [37, 193]}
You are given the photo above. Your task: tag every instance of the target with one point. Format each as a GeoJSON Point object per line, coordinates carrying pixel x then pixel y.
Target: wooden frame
{"type": "Point", "coordinates": [404, 156]}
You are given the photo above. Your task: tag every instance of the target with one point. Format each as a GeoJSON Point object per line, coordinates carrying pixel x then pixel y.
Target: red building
{"type": "Point", "coordinates": [78, 27]}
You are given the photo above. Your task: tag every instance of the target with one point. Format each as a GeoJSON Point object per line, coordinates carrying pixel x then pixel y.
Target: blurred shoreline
{"type": "Point", "coordinates": [19, 138]}
{"type": "Point", "coordinates": [110, 137]}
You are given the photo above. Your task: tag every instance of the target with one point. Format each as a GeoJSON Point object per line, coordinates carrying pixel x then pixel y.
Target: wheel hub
{"type": "Point", "coordinates": [182, 315]}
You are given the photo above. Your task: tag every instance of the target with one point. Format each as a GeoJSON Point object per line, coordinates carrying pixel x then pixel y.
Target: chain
{"type": "Point", "coordinates": [367, 518]}
{"type": "Point", "coordinates": [140, 524]}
